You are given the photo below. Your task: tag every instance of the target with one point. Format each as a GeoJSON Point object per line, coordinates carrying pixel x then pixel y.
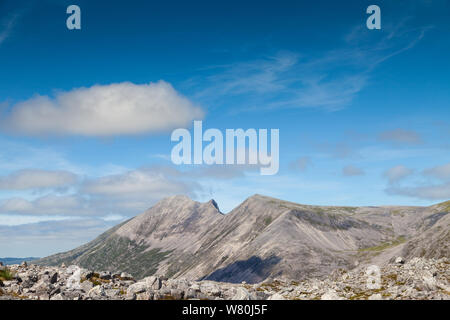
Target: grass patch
{"type": "Point", "coordinates": [95, 280]}
{"type": "Point", "coordinates": [267, 221]}
{"type": "Point", "coordinates": [6, 275]}
{"type": "Point", "coordinates": [385, 245]}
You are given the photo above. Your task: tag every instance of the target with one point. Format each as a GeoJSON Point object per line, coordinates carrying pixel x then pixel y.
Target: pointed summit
{"type": "Point", "coordinates": [214, 204]}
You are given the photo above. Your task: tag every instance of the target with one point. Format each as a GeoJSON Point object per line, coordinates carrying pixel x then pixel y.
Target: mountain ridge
{"type": "Point", "coordinates": [261, 238]}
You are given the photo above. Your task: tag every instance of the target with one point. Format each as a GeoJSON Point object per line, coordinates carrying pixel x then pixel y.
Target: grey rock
{"type": "Point", "coordinates": [242, 294]}
{"type": "Point", "coordinates": [399, 260]}
{"type": "Point", "coordinates": [137, 287]}
{"type": "Point", "coordinates": [96, 292]}
{"type": "Point", "coordinates": [153, 282]}
{"type": "Point", "coordinates": [126, 276]}
{"type": "Point", "coordinates": [53, 277]}
{"type": "Point", "coordinates": [276, 296]}
{"type": "Point", "coordinates": [58, 296]}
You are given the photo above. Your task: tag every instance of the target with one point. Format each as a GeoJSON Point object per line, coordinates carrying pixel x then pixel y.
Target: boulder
{"type": "Point", "coordinates": [399, 260]}
{"type": "Point", "coordinates": [153, 282]}
{"type": "Point", "coordinates": [137, 287]}
{"type": "Point", "coordinates": [276, 296]}
{"type": "Point", "coordinates": [53, 277]}
{"type": "Point", "coordinates": [376, 296]}
{"type": "Point", "coordinates": [330, 295]}
{"type": "Point", "coordinates": [242, 294]}
{"type": "Point", "coordinates": [126, 276]}
{"type": "Point", "coordinates": [96, 292]}
{"type": "Point", "coordinates": [105, 275]}
{"type": "Point", "coordinates": [58, 296]}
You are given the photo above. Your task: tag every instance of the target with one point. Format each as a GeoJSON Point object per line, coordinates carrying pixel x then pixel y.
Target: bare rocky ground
{"type": "Point", "coordinates": [417, 279]}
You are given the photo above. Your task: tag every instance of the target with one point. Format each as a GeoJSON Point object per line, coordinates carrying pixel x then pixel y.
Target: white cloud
{"type": "Point", "coordinates": [300, 164]}
{"type": "Point", "coordinates": [400, 136]}
{"type": "Point", "coordinates": [429, 192]}
{"type": "Point", "coordinates": [6, 27]}
{"type": "Point", "coordinates": [47, 205]}
{"type": "Point", "coordinates": [120, 195]}
{"type": "Point", "coordinates": [49, 236]}
{"type": "Point", "coordinates": [439, 172]}
{"type": "Point", "coordinates": [103, 110]}
{"type": "Point", "coordinates": [36, 179]}
{"type": "Point", "coordinates": [397, 173]}
{"type": "Point", "coordinates": [137, 182]}
{"type": "Point", "coordinates": [17, 220]}
{"type": "Point", "coordinates": [424, 189]}
{"type": "Point", "coordinates": [350, 171]}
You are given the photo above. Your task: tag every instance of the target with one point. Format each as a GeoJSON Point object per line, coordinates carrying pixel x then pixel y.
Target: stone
{"type": "Point", "coordinates": [399, 260]}
{"type": "Point", "coordinates": [59, 296]}
{"type": "Point", "coordinates": [125, 276]}
{"type": "Point", "coordinates": [210, 289]}
{"type": "Point", "coordinates": [177, 294]}
{"type": "Point", "coordinates": [276, 296]}
{"type": "Point", "coordinates": [105, 275]}
{"type": "Point", "coordinates": [97, 291]}
{"type": "Point", "coordinates": [86, 285]}
{"type": "Point", "coordinates": [330, 295]}
{"type": "Point", "coordinates": [138, 287]}
{"type": "Point", "coordinates": [54, 277]}
{"type": "Point", "coordinates": [419, 278]}
{"type": "Point", "coordinates": [144, 296]}
{"type": "Point", "coordinates": [242, 294]}
{"type": "Point", "coordinates": [153, 282]}
{"type": "Point", "coordinates": [376, 296]}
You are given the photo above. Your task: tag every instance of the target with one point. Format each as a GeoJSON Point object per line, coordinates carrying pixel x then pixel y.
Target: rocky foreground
{"type": "Point", "coordinates": [417, 278]}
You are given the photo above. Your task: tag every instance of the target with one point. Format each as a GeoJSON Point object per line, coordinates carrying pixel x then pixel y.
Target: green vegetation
{"type": "Point", "coordinates": [6, 274]}
{"type": "Point", "coordinates": [95, 280]}
{"type": "Point", "coordinates": [120, 253]}
{"type": "Point", "coordinates": [445, 206]}
{"type": "Point", "coordinates": [386, 245]}
{"type": "Point", "coordinates": [397, 213]}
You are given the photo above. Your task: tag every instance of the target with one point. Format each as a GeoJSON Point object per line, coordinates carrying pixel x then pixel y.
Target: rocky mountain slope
{"type": "Point", "coordinates": [418, 278]}
{"type": "Point", "coordinates": [260, 239]}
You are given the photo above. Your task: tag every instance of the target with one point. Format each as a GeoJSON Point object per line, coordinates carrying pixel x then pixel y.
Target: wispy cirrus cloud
{"type": "Point", "coordinates": [7, 26]}
{"type": "Point", "coordinates": [329, 80]}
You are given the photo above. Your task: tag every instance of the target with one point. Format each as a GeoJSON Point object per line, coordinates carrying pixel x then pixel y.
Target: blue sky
{"type": "Point", "coordinates": [86, 115]}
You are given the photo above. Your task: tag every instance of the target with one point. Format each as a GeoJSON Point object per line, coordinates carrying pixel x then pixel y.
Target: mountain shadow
{"type": "Point", "coordinates": [252, 270]}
